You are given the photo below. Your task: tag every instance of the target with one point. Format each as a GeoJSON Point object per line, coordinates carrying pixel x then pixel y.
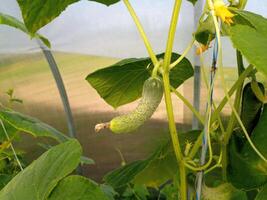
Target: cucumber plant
{"type": "Point", "coordinates": [176, 171]}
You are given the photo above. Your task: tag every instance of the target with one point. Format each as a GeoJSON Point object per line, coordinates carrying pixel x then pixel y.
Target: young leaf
{"type": "Point", "coordinates": [122, 82]}
{"type": "Point", "coordinates": [77, 187]}
{"type": "Point", "coordinates": [31, 125]}
{"type": "Point", "coordinates": [251, 39]}
{"type": "Point", "coordinates": [39, 178]}
{"type": "Point", "coordinates": [15, 23]}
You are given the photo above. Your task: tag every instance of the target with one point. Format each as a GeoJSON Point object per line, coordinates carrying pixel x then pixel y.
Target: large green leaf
{"type": "Point", "coordinates": [247, 170]}
{"type": "Point", "coordinates": [160, 169]}
{"type": "Point", "coordinates": [153, 171]}
{"type": "Point", "coordinates": [256, 21]}
{"type": "Point", "coordinates": [15, 23]}
{"type": "Point", "coordinates": [241, 173]}
{"type": "Point", "coordinates": [262, 195]}
{"type": "Point", "coordinates": [4, 179]}
{"type": "Point", "coordinates": [38, 13]}
{"type": "Point", "coordinates": [251, 107]}
{"type": "Point", "coordinates": [122, 82]}
{"type": "Point", "coordinates": [251, 39]}
{"type": "Point", "coordinates": [223, 192]}
{"type": "Point", "coordinates": [39, 178]}
{"type": "Point", "coordinates": [259, 138]}
{"type": "Point", "coordinates": [77, 187]}
{"type": "Point", "coordinates": [31, 125]}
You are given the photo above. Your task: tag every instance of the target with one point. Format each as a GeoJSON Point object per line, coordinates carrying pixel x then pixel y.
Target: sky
{"type": "Point", "coordinates": [91, 28]}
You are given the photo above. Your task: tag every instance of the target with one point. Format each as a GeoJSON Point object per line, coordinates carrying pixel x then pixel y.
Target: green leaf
{"type": "Point", "coordinates": [260, 140]}
{"type": "Point", "coordinates": [193, 1]}
{"type": "Point", "coordinates": [12, 22]}
{"type": "Point", "coordinates": [31, 125]}
{"type": "Point", "coordinates": [9, 129]}
{"type": "Point", "coordinates": [77, 187]}
{"type": "Point", "coordinates": [205, 31]}
{"type": "Point", "coordinates": [262, 195]}
{"type": "Point", "coordinates": [223, 192]}
{"type": "Point", "coordinates": [153, 171]}
{"type": "Point", "coordinates": [38, 13]}
{"type": "Point", "coordinates": [106, 2]}
{"type": "Point", "coordinates": [122, 82]}
{"type": "Point", "coordinates": [254, 20]}
{"type": "Point", "coordinates": [4, 179]}
{"type": "Point", "coordinates": [15, 23]}
{"type": "Point", "coordinates": [241, 173]}
{"type": "Point", "coordinates": [251, 107]}
{"type": "Point", "coordinates": [160, 169]}
{"type": "Point", "coordinates": [251, 41]}
{"type": "Point", "coordinates": [170, 192]}
{"type": "Point", "coordinates": [39, 178]}
{"type": "Point", "coordinates": [139, 192]}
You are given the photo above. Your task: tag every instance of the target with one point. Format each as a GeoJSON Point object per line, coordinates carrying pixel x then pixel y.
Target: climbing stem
{"type": "Point", "coordinates": [188, 48]}
{"type": "Point", "coordinates": [168, 101]}
{"type": "Point", "coordinates": [142, 32]}
{"type": "Point", "coordinates": [171, 35]}
{"type": "Point", "coordinates": [224, 161]}
{"type": "Point", "coordinates": [174, 136]}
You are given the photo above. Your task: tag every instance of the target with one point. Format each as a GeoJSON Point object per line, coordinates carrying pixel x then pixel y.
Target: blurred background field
{"type": "Point", "coordinates": [30, 77]}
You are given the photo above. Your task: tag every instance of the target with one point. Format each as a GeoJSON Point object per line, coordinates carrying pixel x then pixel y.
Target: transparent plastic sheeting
{"type": "Point", "coordinates": [84, 30]}
{"type": "Point", "coordinates": [90, 28]}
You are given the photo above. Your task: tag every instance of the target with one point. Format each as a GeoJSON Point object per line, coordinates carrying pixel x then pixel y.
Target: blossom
{"type": "Point", "coordinates": [222, 11]}
{"type": "Point", "coordinates": [202, 48]}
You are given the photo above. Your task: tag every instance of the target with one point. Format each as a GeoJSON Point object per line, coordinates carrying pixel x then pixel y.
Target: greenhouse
{"type": "Point", "coordinates": [133, 100]}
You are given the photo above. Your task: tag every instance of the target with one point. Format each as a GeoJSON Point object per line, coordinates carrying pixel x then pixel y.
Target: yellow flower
{"type": "Point", "coordinates": [202, 49]}
{"type": "Point", "coordinates": [222, 11]}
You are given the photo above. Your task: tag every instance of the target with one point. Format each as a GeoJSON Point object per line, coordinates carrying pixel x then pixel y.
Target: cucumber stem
{"type": "Point", "coordinates": [101, 126]}
{"type": "Point", "coordinates": [168, 101]}
{"type": "Point", "coordinates": [142, 32]}
{"type": "Point", "coordinates": [186, 51]}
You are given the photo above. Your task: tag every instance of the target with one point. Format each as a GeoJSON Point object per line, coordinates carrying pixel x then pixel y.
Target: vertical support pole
{"type": "Point", "coordinates": [61, 88]}
{"type": "Point", "coordinates": [197, 76]}
{"type": "Point", "coordinates": [62, 91]}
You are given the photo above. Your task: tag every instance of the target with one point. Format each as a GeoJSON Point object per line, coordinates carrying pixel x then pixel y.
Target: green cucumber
{"type": "Point", "coordinates": [151, 98]}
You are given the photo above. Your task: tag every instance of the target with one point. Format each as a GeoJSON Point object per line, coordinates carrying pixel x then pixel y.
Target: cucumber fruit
{"type": "Point", "coordinates": [151, 98]}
